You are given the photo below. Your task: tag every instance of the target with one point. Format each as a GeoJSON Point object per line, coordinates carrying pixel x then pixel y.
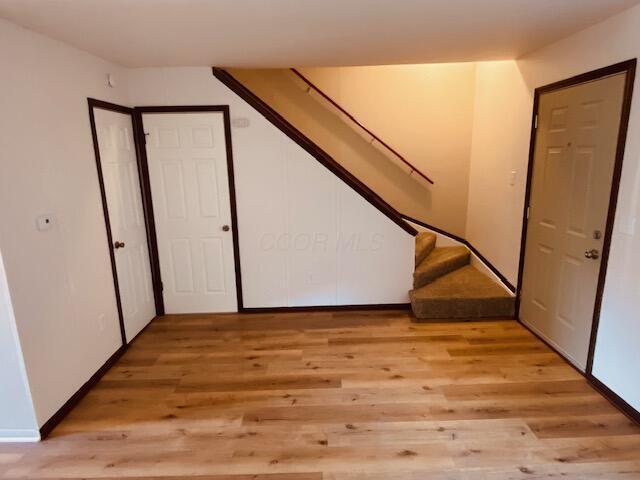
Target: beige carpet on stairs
{"type": "Point", "coordinates": [448, 287]}
{"type": "Point", "coordinates": [440, 262]}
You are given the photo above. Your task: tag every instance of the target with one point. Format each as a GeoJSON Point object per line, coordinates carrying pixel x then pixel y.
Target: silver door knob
{"type": "Point", "coordinates": [118, 244]}
{"type": "Point", "coordinates": [592, 254]}
{"type": "Point", "coordinates": [225, 228]}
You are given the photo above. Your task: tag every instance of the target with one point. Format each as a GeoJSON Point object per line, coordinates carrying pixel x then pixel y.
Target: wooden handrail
{"type": "Point", "coordinates": [354, 120]}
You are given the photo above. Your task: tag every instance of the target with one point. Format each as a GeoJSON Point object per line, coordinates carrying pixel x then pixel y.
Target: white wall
{"type": "Point", "coordinates": [618, 343]}
{"type": "Point", "coordinates": [17, 417]}
{"type": "Point", "coordinates": [499, 146]}
{"type": "Point", "coordinates": [60, 280]}
{"type": "Point", "coordinates": [305, 238]}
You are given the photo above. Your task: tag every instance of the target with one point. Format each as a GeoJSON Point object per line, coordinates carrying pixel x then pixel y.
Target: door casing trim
{"type": "Point", "coordinates": [148, 204]}
{"type": "Point", "coordinates": [112, 107]}
{"type": "Point", "coordinates": [628, 68]}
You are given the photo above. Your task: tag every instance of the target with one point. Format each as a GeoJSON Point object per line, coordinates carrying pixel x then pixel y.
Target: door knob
{"type": "Point", "coordinates": [592, 254]}
{"type": "Point", "coordinates": [225, 228]}
{"type": "Point", "coordinates": [118, 244]}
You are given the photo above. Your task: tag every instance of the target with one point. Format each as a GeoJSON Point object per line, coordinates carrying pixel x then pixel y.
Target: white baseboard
{"type": "Point", "coordinates": [19, 436]}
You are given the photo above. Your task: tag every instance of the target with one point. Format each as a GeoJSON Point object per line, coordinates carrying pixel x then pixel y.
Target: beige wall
{"type": "Point", "coordinates": [422, 111]}
{"type": "Point", "coordinates": [498, 166]}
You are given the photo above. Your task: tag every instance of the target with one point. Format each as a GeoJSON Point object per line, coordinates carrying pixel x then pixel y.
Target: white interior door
{"type": "Point", "coordinates": [124, 201]}
{"type": "Point", "coordinates": [187, 159]}
{"type": "Point", "coordinates": [573, 166]}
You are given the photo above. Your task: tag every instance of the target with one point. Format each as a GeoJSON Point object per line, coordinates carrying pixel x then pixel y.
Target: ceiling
{"type": "Point", "coordinates": [279, 33]}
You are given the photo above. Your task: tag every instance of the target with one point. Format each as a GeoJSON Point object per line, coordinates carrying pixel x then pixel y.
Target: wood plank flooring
{"type": "Point", "coordinates": [335, 396]}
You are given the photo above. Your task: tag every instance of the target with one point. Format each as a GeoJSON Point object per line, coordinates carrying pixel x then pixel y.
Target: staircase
{"type": "Point", "coordinates": [447, 286]}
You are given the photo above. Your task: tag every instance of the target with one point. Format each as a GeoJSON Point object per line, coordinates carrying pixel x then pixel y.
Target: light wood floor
{"type": "Point", "coordinates": [336, 396]}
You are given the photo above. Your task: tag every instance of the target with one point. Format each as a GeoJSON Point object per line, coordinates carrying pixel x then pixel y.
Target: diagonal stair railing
{"type": "Point", "coordinates": [312, 86]}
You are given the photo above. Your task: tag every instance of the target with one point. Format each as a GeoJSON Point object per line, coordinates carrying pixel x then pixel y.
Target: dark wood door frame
{"type": "Point", "coordinates": [628, 68]}
{"type": "Point", "coordinates": [100, 104]}
{"type": "Point", "coordinates": [147, 200]}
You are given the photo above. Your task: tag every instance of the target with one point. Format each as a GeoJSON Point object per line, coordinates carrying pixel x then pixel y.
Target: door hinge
{"type": "Point", "coordinates": [535, 121]}
{"type": "Point", "coordinates": [161, 287]}
{"type": "Point", "coordinates": [145, 137]}
{"type": "Point", "coordinates": [528, 211]}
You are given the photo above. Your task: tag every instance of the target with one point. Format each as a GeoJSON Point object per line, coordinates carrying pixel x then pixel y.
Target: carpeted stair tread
{"type": "Point", "coordinates": [464, 293]}
{"type": "Point", "coordinates": [440, 261]}
{"type": "Point", "coordinates": [425, 243]}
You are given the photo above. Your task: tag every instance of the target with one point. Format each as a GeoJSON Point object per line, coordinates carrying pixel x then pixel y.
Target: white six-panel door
{"type": "Point", "coordinates": [124, 201]}
{"type": "Point", "coordinates": [190, 190]}
{"type": "Point", "coordinates": [571, 184]}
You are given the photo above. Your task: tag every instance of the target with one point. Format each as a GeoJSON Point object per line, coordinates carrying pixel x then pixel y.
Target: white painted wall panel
{"type": "Point", "coordinates": [264, 277]}
{"type": "Point", "coordinates": [311, 226]}
{"type": "Point", "coordinates": [375, 257]}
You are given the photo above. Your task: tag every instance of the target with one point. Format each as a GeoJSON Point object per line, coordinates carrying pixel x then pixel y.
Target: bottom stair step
{"type": "Point", "coordinates": [465, 293]}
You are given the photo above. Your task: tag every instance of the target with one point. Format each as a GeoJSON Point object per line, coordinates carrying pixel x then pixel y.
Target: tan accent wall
{"type": "Point", "coordinates": [498, 170]}
{"type": "Point", "coordinates": [423, 111]}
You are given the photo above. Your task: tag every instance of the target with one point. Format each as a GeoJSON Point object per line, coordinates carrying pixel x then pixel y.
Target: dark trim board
{"type": "Point", "coordinates": [435, 229]}
{"type": "Point", "coordinates": [147, 206]}
{"type": "Point", "coordinates": [490, 266]}
{"type": "Point", "coordinates": [602, 389]}
{"type": "Point", "coordinates": [468, 244]}
{"type": "Point", "coordinates": [63, 411]}
{"type": "Point", "coordinates": [615, 399]}
{"type": "Point", "coordinates": [310, 147]}
{"type": "Point", "coordinates": [148, 203]}
{"type": "Point", "coordinates": [629, 68]}
{"type": "Point", "coordinates": [93, 103]}
{"type": "Point", "coordinates": [146, 198]}
{"type": "Point", "coordinates": [329, 308]}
